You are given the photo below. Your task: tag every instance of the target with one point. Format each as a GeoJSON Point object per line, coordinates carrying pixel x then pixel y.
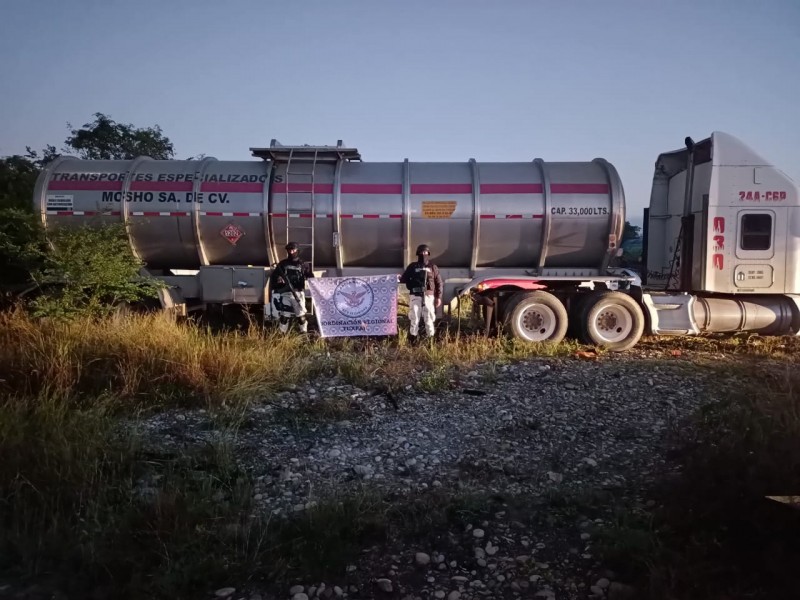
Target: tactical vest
{"type": "Point", "coordinates": [294, 273]}
{"type": "Point", "coordinates": [419, 276]}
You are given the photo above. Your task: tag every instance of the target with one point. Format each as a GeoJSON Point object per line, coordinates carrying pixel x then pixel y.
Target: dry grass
{"type": "Point", "coordinates": [72, 485]}
{"type": "Point", "coordinates": [77, 493]}
{"type": "Point", "coordinates": [431, 366]}
{"type": "Point", "coordinates": [152, 361]}
{"type": "Point", "coordinates": [142, 359]}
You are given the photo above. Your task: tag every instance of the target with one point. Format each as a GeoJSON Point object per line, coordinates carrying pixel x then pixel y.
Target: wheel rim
{"type": "Point", "coordinates": [537, 323]}
{"type": "Point", "coordinates": [613, 323]}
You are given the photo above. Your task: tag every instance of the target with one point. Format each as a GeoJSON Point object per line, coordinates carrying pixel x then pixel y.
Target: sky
{"type": "Point", "coordinates": [425, 80]}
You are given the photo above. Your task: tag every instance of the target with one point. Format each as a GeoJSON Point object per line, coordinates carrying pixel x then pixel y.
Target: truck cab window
{"type": "Point", "coordinates": [756, 232]}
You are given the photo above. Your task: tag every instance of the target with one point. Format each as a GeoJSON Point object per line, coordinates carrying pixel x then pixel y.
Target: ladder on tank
{"type": "Point", "coordinates": [300, 203]}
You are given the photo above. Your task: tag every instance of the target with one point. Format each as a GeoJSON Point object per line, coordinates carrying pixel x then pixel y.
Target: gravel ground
{"type": "Point", "coordinates": [532, 430]}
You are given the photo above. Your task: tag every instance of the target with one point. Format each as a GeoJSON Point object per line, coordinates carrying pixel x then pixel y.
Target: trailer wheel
{"type": "Point", "coordinates": [612, 320]}
{"type": "Point", "coordinates": [536, 317]}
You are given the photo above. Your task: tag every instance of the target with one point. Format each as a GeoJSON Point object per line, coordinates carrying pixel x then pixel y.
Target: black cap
{"type": "Point", "coordinates": [423, 249]}
{"type": "Point", "coordinates": [292, 246]}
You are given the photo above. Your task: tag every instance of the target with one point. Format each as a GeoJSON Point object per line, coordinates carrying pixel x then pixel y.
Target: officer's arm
{"type": "Point", "coordinates": [275, 280]}
{"type": "Point", "coordinates": [404, 276]}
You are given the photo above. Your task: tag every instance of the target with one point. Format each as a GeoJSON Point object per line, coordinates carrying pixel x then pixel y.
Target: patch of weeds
{"type": "Point", "coordinates": [336, 407]}
{"type": "Point", "coordinates": [230, 419]}
{"type": "Point", "coordinates": [322, 540]}
{"type": "Point", "coordinates": [591, 503]}
{"type": "Point", "coordinates": [714, 534]}
{"type": "Point", "coordinates": [490, 373]}
{"type": "Point", "coordinates": [628, 543]}
{"type": "Point", "coordinates": [84, 505]}
{"type": "Point", "coordinates": [354, 369]}
{"type": "Point", "coordinates": [433, 512]}
{"type": "Point", "coordinates": [189, 525]}
{"type": "Point", "coordinates": [434, 380]}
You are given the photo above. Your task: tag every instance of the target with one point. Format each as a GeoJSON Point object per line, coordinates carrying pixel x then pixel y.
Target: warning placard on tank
{"type": "Point", "coordinates": [435, 209]}
{"type": "Point", "coordinates": [59, 202]}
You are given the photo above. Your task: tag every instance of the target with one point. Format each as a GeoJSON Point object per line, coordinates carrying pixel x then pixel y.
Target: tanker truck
{"type": "Point", "coordinates": [532, 242]}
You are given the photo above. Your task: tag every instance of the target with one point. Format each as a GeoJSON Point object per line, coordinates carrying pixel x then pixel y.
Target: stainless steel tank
{"type": "Point", "coordinates": [346, 213]}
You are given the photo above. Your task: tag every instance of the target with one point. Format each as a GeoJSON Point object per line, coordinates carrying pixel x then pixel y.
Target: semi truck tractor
{"type": "Point", "coordinates": [533, 242]}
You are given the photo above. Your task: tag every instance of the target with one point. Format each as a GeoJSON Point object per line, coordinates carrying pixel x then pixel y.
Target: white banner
{"type": "Point", "coordinates": [349, 306]}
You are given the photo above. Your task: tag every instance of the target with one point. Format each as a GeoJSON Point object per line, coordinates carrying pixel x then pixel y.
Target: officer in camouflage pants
{"type": "Point", "coordinates": [288, 284]}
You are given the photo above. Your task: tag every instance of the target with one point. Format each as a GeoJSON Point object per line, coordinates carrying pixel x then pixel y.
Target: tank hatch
{"type": "Point", "coordinates": [280, 153]}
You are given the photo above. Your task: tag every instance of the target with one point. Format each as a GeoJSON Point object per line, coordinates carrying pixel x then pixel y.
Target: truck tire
{"type": "Point", "coordinates": [612, 320]}
{"type": "Point", "coordinates": [536, 317]}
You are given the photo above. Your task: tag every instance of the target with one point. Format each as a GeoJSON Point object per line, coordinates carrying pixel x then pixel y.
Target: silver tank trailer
{"type": "Point", "coordinates": [345, 213]}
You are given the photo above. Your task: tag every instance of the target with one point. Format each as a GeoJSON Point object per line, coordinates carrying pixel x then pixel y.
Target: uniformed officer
{"type": "Point", "coordinates": [288, 284]}
{"type": "Point", "coordinates": [424, 283]}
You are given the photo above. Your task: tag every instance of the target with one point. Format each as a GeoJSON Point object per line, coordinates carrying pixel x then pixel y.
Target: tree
{"type": "Point", "coordinates": [22, 248]}
{"type": "Point", "coordinates": [631, 231]}
{"type": "Point", "coordinates": [18, 177]}
{"type": "Point", "coordinates": [22, 244]}
{"type": "Point", "coordinates": [105, 139]}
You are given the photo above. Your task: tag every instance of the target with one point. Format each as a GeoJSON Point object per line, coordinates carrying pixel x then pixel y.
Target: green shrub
{"type": "Point", "coordinates": [90, 270]}
{"type": "Point", "coordinates": [22, 247]}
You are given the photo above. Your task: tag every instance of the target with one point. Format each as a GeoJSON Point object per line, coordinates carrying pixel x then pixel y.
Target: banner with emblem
{"type": "Point", "coordinates": [350, 306]}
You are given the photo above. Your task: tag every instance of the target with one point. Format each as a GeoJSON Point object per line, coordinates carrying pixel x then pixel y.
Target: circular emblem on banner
{"type": "Point", "coordinates": [353, 297]}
